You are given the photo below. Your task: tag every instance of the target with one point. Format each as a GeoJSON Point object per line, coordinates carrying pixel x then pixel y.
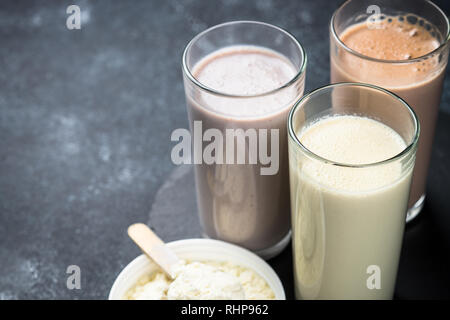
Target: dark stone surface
{"type": "Point", "coordinates": [85, 123]}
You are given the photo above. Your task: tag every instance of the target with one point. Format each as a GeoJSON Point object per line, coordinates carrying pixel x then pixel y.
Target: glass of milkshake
{"type": "Point", "coordinates": [351, 156]}
{"type": "Point", "coordinates": [241, 79]}
{"type": "Point", "coordinates": [402, 46]}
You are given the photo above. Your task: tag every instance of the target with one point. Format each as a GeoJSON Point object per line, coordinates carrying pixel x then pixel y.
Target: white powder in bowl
{"type": "Point", "coordinates": [202, 281]}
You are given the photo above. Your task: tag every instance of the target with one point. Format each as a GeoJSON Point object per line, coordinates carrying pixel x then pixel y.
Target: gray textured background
{"type": "Point", "coordinates": [85, 124]}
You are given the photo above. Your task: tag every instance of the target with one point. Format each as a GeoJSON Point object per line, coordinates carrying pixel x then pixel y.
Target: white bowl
{"type": "Point", "coordinates": [198, 250]}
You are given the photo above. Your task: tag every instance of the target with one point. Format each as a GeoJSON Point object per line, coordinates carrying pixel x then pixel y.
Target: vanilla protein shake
{"type": "Point", "coordinates": [349, 202]}
{"type": "Point", "coordinates": [250, 91]}
{"type": "Point", "coordinates": [389, 47]}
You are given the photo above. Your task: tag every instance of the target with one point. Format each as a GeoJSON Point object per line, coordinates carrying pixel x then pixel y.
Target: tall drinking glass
{"type": "Point", "coordinates": [351, 157]}
{"type": "Point", "coordinates": [241, 79]}
{"type": "Point", "coordinates": [402, 46]}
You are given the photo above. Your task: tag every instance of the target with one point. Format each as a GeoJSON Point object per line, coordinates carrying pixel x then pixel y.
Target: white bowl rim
{"type": "Point", "coordinates": [269, 275]}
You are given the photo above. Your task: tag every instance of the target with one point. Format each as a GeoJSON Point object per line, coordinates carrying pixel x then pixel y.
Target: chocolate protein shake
{"type": "Point", "coordinates": [391, 53]}
{"type": "Point", "coordinates": [250, 92]}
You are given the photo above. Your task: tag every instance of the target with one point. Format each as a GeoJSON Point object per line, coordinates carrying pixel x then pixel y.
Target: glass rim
{"type": "Point", "coordinates": [187, 70]}
{"type": "Point", "coordinates": [441, 47]}
{"type": "Point", "coordinates": [292, 135]}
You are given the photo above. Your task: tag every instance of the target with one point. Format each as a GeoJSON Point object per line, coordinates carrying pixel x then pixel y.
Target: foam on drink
{"type": "Point", "coordinates": [245, 71]}
{"type": "Point", "coordinates": [352, 140]}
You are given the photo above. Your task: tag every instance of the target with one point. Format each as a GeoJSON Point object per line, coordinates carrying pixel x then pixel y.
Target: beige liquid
{"type": "Point", "coordinates": [419, 83]}
{"type": "Point", "coordinates": [346, 219]}
{"type": "Point", "coordinates": [236, 203]}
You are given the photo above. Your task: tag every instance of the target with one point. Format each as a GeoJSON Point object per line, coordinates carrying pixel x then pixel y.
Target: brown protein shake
{"type": "Point", "coordinates": [395, 53]}
{"type": "Point", "coordinates": [250, 92]}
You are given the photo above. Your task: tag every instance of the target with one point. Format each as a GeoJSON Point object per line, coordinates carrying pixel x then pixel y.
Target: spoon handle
{"type": "Point", "coordinates": [153, 247]}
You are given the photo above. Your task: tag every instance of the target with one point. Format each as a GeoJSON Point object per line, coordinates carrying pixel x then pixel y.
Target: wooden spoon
{"type": "Point", "coordinates": [153, 247]}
